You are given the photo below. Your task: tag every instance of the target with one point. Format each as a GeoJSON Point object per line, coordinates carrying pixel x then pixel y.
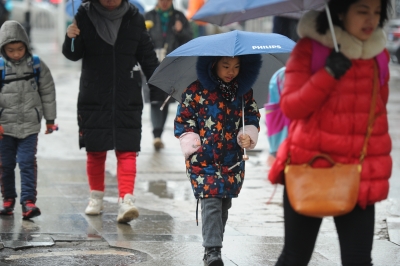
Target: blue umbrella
{"type": "Point", "coordinates": [178, 69]}
{"type": "Point", "coordinates": [222, 12]}
{"type": "Point", "coordinates": [72, 8]}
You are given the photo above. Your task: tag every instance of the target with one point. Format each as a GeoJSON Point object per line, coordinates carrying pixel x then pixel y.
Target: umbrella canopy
{"type": "Point", "coordinates": [178, 70]}
{"type": "Point", "coordinates": [223, 12]}
{"type": "Point", "coordinates": [72, 8]}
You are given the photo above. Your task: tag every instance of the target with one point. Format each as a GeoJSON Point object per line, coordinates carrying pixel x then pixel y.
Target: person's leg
{"type": "Point", "coordinates": [158, 118]}
{"type": "Point", "coordinates": [95, 169]}
{"type": "Point", "coordinates": [126, 175]}
{"type": "Point", "coordinates": [126, 172]}
{"type": "Point", "coordinates": [26, 156]}
{"type": "Point", "coordinates": [8, 155]}
{"type": "Point", "coordinates": [356, 233]}
{"type": "Point", "coordinates": [212, 226]}
{"type": "Point", "coordinates": [300, 235]}
{"type": "Point", "coordinates": [212, 230]}
{"type": "Point", "coordinates": [226, 205]}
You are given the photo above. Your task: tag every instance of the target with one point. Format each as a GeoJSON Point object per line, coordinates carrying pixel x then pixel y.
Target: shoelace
{"type": "Point", "coordinates": [93, 202]}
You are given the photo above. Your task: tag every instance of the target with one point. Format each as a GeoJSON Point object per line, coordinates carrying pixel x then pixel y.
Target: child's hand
{"type": "Point", "coordinates": [196, 143]}
{"type": "Point", "coordinates": [50, 128]}
{"type": "Point", "coordinates": [73, 30]}
{"type": "Point", "coordinates": [270, 161]}
{"type": "Point", "coordinates": [178, 26]}
{"type": "Point", "coordinates": [245, 141]}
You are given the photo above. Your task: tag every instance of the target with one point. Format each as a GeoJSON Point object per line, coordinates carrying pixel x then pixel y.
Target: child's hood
{"type": "Point", "coordinates": [250, 66]}
{"type": "Point", "coordinates": [12, 31]}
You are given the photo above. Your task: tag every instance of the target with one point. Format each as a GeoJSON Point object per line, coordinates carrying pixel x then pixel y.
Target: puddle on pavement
{"type": "Point", "coordinates": [178, 190]}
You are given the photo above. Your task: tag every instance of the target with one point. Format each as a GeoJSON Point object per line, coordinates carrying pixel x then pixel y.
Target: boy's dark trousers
{"type": "Point", "coordinates": [214, 214]}
{"type": "Point", "coordinates": [23, 151]}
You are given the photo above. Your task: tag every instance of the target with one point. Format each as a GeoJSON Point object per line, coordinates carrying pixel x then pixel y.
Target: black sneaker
{"type": "Point", "coordinates": [212, 257]}
{"type": "Point", "coordinates": [8, 206]}
{"type": "Point", "coordinates": [29, 209]}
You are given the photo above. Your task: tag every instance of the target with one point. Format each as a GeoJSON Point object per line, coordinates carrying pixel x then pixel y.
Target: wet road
{"type": "Point", "coordinates": [166, 232]}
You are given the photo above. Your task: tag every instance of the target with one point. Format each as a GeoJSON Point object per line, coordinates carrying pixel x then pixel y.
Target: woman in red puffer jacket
{"type": "Point", "coordinates": [329, 112]}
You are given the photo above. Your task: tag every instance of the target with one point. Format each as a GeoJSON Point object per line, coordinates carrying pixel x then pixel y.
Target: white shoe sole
{"type": "Point", "coordinates": [93, 212]}
{"type": "Point", "coordinates": [128, 216]}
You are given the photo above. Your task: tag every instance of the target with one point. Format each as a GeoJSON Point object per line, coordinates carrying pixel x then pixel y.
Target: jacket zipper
{"type": "Point", "coordinates": [223, 141]}
{"type": "Point", "coordinates": [37, 114]}
{"type": "Point", "coordinates": [113, 103]}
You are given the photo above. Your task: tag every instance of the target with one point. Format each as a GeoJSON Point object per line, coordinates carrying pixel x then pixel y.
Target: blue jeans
{"type": "Point", "coordinates": [23, 151]}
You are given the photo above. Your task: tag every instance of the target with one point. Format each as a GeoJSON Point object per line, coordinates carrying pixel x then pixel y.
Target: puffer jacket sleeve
{"type": "Point", "coordinates": [47, 92]}
{"type": "Point", "coordinates": [186, 33]}
{"type": "Point", "coordinates": [384, 90]}
{"type": "Point", "coordinates": [304, 92]}
{"type": "Point", "coordinates": [251, 112]}
{"type": "Point", "coordinates": [186, 118]}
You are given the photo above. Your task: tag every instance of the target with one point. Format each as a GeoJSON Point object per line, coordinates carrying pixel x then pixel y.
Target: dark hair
{"type": "Point", "coordinates": [338, 7]}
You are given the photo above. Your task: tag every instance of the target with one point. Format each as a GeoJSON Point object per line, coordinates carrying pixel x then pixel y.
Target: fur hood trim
{"type": "Point", "coordinates": [350, 46]}
{"type": "Point", "coordinates": [250, 66]}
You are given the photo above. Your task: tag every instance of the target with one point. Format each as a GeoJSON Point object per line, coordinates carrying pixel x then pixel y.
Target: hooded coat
{"type": "Point", "coordinates": [331, 116]}
{"type": "Point", "coordinates": [23, 103]}
{"type": "Point", "coordinates": [110, 98]}
{"type": "Point", "coordinates": [217, 122]}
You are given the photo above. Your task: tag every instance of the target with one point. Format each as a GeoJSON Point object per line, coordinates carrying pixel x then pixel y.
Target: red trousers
{"type": "Point", "coordinates": [126, 171]}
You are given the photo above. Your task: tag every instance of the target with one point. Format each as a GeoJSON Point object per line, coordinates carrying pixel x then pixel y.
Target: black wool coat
{"type": "Point", "coordinates": [110, 98]}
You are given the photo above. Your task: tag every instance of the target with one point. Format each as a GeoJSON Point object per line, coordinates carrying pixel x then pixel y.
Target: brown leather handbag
{"type": "Point", "coordinates": [320, 192]}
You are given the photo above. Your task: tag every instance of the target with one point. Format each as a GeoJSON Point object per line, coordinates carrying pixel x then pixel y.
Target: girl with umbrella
{"type": "Point", "coordinates": [208, 124]}
{"type": "Point", "coordinates": [329, 110]}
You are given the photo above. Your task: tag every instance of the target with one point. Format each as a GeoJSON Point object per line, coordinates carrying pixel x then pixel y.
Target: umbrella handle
{"type": "Point", "coordinates": [165, 102]}
{"type": "Point", "coordinates": [72, 45]}
{"type": "Point", "coordinates": [73, 39]}
{"type": "Point", "coordinates": [328, 14]}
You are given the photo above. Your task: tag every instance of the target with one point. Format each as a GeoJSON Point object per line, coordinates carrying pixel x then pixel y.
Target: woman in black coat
{"type": "Point", "coordinates": [111, 39]}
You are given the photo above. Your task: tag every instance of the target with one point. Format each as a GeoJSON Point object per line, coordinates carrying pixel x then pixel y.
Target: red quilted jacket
{"type": "Point", "coordinates": [331, 116]}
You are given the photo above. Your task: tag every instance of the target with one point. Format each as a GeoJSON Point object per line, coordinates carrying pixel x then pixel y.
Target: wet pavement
{"type": "Point", "coordinates": [165, 232]}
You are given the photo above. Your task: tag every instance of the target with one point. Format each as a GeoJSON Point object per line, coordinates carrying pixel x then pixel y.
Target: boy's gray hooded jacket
{"type": "Point", "coordinates": [23, 102]}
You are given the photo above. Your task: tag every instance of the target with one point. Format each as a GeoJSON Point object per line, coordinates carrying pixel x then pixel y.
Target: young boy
{"type": "Point", "coordinates": [24, 99]}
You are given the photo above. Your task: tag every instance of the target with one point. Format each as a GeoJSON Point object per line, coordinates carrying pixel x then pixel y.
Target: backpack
{"type": "Point", "coordinates": [277, 123]}
{"type": "Point", "coordinates": [35, 74]}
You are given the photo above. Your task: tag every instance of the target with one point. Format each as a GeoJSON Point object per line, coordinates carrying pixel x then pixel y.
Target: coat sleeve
{"type": "Point", "coordinates": [384, 90]}
{"type": "Point", "coordinates": [251, 112]}
{"type": "Point", "coordinates": [147, 58]}
{"type": "Point", "coordinates": [79, 46]}
{"type": "Point", "coordinates": [186, 117]}
{"type": "Point", "coordinates": [186, 33]}
{"type": "Point", "coordinates": [47, 92]}
{"type": "Point", "coordinates": [304, 92]}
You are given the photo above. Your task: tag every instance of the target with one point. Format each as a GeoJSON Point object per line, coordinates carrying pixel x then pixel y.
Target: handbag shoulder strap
{"type": "Point", "coordinates": [371, 116]}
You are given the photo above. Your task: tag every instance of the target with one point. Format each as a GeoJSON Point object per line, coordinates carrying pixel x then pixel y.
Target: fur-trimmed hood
{"type": "Point", "coordinates": [250, 66]}
{"type": "Point", "coordinates": [350, 46]}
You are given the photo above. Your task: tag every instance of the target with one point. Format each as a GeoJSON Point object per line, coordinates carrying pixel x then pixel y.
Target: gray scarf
{"type": "Point", "coordinates": [106, 22]}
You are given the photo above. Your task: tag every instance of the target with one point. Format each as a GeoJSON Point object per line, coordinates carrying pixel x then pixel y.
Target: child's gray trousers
{"type": "Point", "coordinates": [214, 214]}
